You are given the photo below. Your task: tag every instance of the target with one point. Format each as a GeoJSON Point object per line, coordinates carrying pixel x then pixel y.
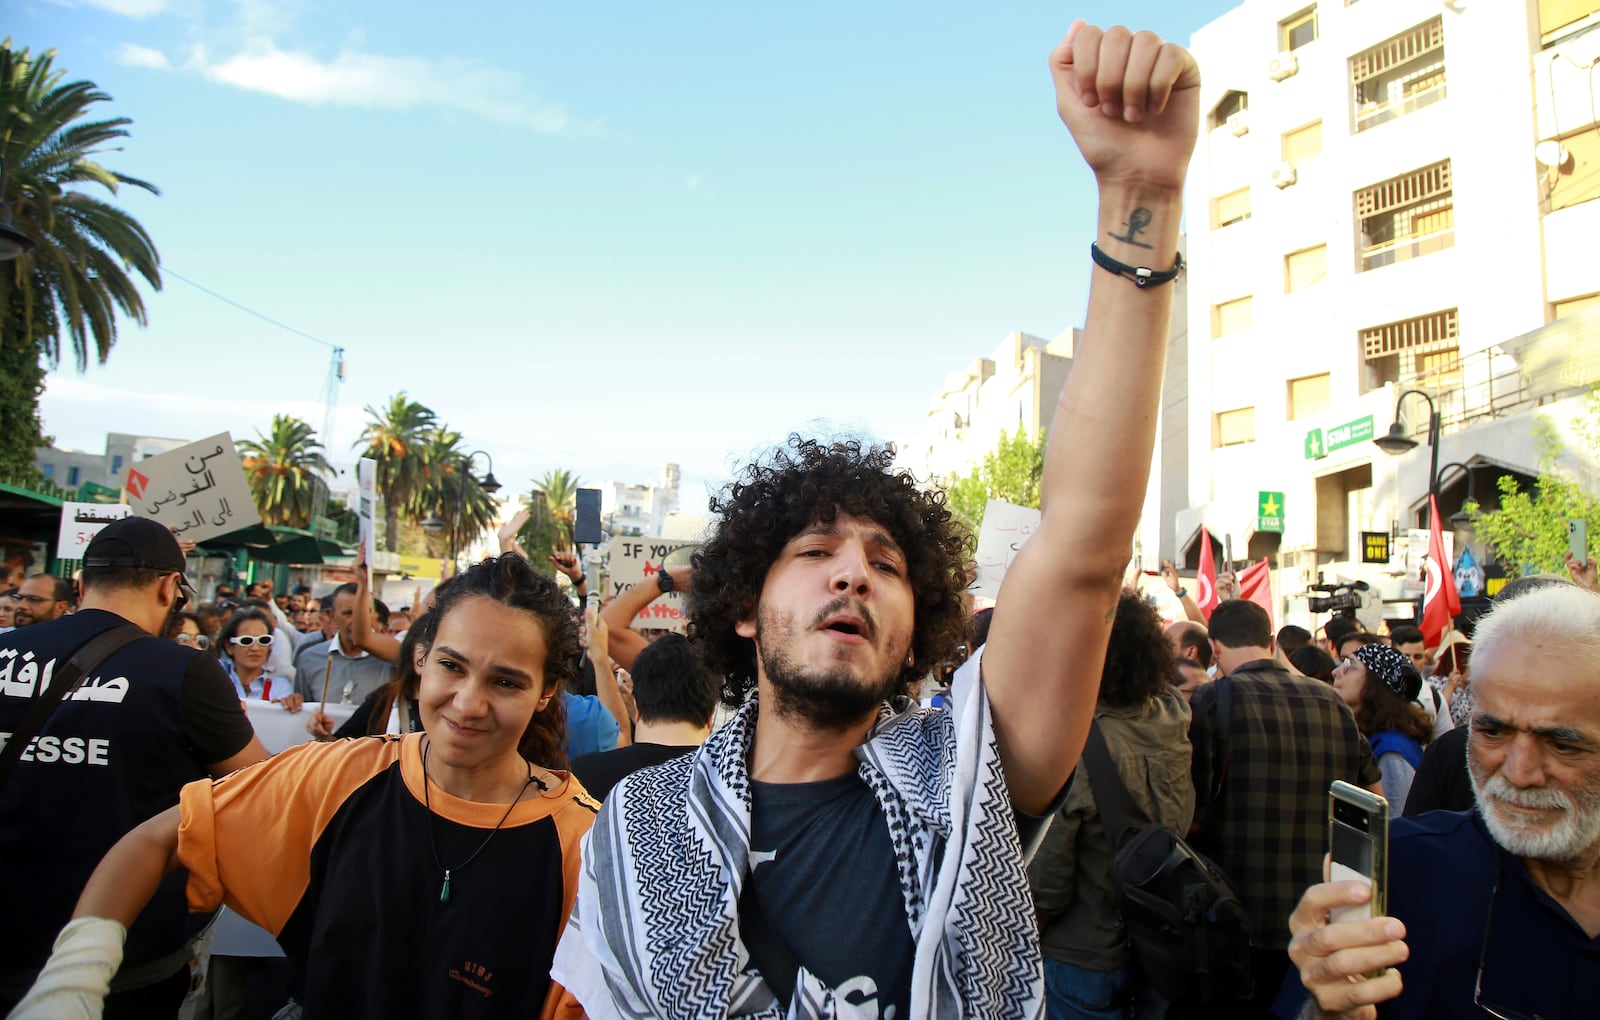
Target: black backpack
{"type": "Point", "coordinates": [1186, 925]}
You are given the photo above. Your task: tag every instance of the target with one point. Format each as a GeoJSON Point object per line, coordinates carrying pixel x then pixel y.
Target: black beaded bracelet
{"type": "Point", "coordinates": [1140, 275]}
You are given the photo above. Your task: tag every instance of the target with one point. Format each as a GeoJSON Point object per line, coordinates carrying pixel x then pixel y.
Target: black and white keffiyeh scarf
{"type": "Point", "coordinates": [655, 932]}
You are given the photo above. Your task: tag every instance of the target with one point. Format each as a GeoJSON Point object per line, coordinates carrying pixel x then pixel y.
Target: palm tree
{"type": "Point", "coordinates": [396, 438]}
{"type": "Point", "coordinates": [76, 277]}
{"type": "Point", "coordinates": [560, 489]}
{"type": "Point", "coordinates": [282, 469]}
{"type": "Point", "coordinates": [452, 487]}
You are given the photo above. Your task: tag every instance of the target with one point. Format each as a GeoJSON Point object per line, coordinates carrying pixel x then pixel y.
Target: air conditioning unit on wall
{"type": "Point", "coordinates": [1282, 66]}
{"type": "Point", "coordinates": [1239, 123]}
{"type": "Point", "coordinates": [1283, 175]}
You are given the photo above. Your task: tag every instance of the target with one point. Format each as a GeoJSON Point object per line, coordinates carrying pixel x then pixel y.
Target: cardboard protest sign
{"type": "Point", "coordinates": [199, 490]}
{"type": "Point", "coordinates": [1006, 528]}
{"type": "Point", "coordinates": [1416, 560]}
{"type": "Point", "coordinates": [80, 522]}
{"type": "Point", "coordinates": [638, 561]}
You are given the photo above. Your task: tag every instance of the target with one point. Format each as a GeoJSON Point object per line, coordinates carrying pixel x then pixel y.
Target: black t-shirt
{"type": "Point", "coordinates": [824, 868]}
{"type": "Point", "coordinates": [600, 771]}
{"type": "Point", "coordinates": [1442, 782]}
{"type": "Point", "coordinates": [152, 717]}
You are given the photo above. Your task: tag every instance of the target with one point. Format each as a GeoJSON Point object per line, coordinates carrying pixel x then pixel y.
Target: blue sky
{"type": "Point", "coordinates": [592, 236]}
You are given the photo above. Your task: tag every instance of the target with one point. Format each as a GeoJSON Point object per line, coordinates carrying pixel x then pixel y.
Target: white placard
{"type": "Point", "coordinates": [637, 560]}
{"type": "Point", "coordinates": [1416, 581]}
{"type": "Point", "coordinates": [1006, 529]}
{"type": "Point", "coordinates": [80, 522]}
{"type": "Point", "coordinates": [367, 507]}
{"type": "Point", "coordinates": [199, 490]}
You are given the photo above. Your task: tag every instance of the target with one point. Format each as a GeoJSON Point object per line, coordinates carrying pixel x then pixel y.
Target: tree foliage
{"type": "Point", "coordinates": [1010, 472]}
{"type": "Point", "coordinates": [452, 492]}
{"type": "Point", "coordinates": [1528, 533]}
{"type": "Point", "coordinates": [71, 287]}
{"type": "Point", "coordinates": [396, 439]}
{"type": "Point", "coordinates": [560, 490]}
{"type": "Point", "coordinates": [282, 468]}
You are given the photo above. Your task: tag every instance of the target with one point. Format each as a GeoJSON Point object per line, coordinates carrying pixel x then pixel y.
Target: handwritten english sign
{"type": "Point", "coordinates": [1006, 529]}
{"type": "Point", "coordinates": [199, 490]}
{"type": "Point", "coordinates": [80, 522]}
{"type": "Point", "coordinates": [638, 561]}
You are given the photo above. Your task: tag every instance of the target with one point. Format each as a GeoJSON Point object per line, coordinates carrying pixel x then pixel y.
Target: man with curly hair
{"type": "Point", "coordinates": [834, 850]}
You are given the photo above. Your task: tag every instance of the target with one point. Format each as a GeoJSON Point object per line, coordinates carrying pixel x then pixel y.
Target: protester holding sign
{"type": "Point", "coordinates": [453, 910]}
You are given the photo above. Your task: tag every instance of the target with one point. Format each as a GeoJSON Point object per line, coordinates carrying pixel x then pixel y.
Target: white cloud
{"type": "Point", "coordinates": [143, 56]}
{"type": "Point", "coordinates": [389, 83]}
{"type": "Point", "coordinates": [694, 181]}
{"type": "Point", "coordinates": [126, 8]}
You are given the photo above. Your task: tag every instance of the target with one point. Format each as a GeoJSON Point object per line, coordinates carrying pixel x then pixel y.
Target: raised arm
{"type": "Point", "coordinates": [620, 612]}
{"type": "Point", "coordinates": [1169, 574]}
{"type": "Point", "coordinates": [1132, 105]}
{"type": "Point", "coordinates": [75, 980]}
{"type": "Point", "coordinates": [605, 681]}
{"type": "Point", "coordinates": [381, 645]}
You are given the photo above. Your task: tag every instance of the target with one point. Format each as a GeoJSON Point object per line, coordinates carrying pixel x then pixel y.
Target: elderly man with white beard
{"type": "Point", "coordinates": [1496, 911]}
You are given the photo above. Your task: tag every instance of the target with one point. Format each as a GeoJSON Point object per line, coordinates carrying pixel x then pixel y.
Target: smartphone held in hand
{"type": "Point", "coordinates": [1358, 844]}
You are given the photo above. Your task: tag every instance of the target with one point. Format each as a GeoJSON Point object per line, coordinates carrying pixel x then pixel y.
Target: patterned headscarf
{"type": "Point", "coordinates": [1391, 668]}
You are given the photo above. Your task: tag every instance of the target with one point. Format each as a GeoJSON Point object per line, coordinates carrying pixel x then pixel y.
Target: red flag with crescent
{"type": "Point", "coordinates": [1255, 584]}
{"type": "Point", "coordinates": [1440, 601]}
{"type": "Point", "coordinates": [1205, 579]}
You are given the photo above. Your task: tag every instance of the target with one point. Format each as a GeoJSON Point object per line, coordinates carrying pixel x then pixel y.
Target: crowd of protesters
{"type": "Point", "coordinates": [531, 808]}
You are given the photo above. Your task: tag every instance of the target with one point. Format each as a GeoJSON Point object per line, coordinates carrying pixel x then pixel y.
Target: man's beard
{"type": "Point", "coordinates": [1575, 831]}
{"type": "Point", "coordinates": [823, 699]}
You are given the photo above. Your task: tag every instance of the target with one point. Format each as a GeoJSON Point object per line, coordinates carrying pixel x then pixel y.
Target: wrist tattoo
{"type": "Point", "coordinates": [1135, 225]}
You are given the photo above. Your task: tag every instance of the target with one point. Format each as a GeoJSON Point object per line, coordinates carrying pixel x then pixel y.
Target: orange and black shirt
{"type": "Point", "coordinates": [326, 846]}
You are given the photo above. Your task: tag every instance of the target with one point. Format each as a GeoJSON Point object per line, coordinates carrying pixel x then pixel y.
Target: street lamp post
{"type": "Point", "coordinates": [489, 485]}
{"type": "Point", "coordinates": [1460, 518]}
{"type": "Point", "coordinates": [1397, 442]}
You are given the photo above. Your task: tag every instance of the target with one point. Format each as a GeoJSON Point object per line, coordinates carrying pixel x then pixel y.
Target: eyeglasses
{"type": "Point", "coordinates": [196, 640]}
{"type": "Point", "coordinates": [34, 600]}
{"type": "Point", "coordinates": [246, 640]}
{"type": "Point", "coordinates": [1483, 957]}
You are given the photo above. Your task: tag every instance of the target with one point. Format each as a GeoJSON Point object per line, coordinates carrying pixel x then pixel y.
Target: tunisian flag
{"type": "Point", "coordinates": [1206, 577]}
{"type": "Point", "coordinates": [1440, 602]}
{"type": "Point", "coordinates": [1255, 584]}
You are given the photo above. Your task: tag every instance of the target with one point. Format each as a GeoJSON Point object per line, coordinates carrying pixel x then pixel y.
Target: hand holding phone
{"type": "Point", "coordinates": [1358, 847]}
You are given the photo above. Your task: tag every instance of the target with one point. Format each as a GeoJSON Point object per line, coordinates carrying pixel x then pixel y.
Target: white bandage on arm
{"type": "Point", "coordinates": [76, 978]}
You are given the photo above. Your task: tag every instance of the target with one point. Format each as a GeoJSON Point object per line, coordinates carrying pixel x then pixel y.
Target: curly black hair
{"type": "Point", "coordinates": [808, 481]}
{"type": "Point", "coordinates": [509, 580]}
{"type": "Point", "coordinates": [1139, 661]}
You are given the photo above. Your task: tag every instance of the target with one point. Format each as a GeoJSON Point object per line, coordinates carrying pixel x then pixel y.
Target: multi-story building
{"type": "Point", "coordinates": [1014, 388]}
{"type": "Point", "coordinates": [1387, 196]}
{"type": "Point", "coordinates": [634, 509]}
{"type": "Point", "coordinates": [71, 468]}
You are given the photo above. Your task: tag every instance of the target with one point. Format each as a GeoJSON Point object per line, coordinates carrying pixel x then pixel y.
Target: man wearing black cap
{"type": "Point", "coordinates": [151, 717]}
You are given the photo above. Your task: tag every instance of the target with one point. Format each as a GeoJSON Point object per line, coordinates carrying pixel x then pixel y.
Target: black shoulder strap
{"type": "Point", "coordinates": [88, 657]}
{"type": "Point", "coordinates": [1221, 734]}
{"type": "Point", "coordinates": [768, 951]}
{"type": "Point", "coordinates": [1117, 808]}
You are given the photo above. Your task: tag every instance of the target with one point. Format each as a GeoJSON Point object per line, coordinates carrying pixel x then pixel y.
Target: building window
{"type": "Point", "coordinates": [1305, 267]}
{"type": "Point", "coordinates": [1234, 207]}
{"type": "Point", "coordinates": [1398, 76]}
{"type": "Point", "coordinates": [1236, 316]}
{"type": "Point", "coordinates": [1406, 217]}
{"type": "Point", "coordinates": [1233, 103]}
{"type": "Point", "coordinates": [116, 464]}
{"type": "Point", "coordinates": [1295, 32]}
{"type": "Point", "coordinates": [72, 476]}
{"type": "Point", "coordinates": [1576, 177]}
{"type": "Point", "coordinates": [1309, 395]}
{"type": "Point", "coordinates": [1422, 346]}
{"type": "Point", "coordinates": [48, 469]}
{"type": "Point", "coordinates": [1573, 305]}
{"type": "Point", "coordinates": [1556, 16]}
{"type": "Point", "coordinates": [1303, 143]}
{"type": "Point", "coordinates": [1236, 427]}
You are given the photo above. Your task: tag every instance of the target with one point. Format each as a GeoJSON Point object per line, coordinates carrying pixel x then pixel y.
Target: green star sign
{"type": "Point", "coordinates": [1269, 512]}
{"type": "Point", "coordinates": [1315, 450]}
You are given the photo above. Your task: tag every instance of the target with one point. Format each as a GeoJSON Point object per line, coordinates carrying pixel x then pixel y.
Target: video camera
{"type": "Point", "coordinates": [1340, 599]}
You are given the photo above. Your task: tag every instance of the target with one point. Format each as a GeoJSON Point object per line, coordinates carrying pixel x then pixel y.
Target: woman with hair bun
{"type": "Point", "coordinates": [424, 875]}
